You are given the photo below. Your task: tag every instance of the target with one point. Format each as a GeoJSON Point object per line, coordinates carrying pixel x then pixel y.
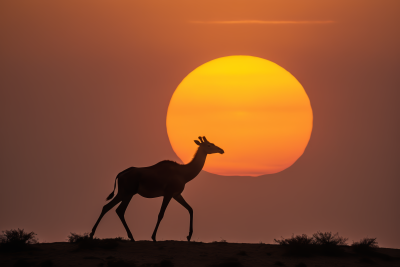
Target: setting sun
{"type": "Point", "coordinates": [251, 107]}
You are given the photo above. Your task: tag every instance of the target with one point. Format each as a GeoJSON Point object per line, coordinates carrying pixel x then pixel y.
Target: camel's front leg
{"type": "Point", "coordinates": [182, 201]}
{"type": "Point", "coordinates": [164, 205]}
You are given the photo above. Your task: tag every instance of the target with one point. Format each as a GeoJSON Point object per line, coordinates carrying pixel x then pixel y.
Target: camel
{"type": "Point", "coordinates": [165, 179]}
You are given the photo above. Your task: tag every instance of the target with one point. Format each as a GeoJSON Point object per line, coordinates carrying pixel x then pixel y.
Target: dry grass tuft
{"type": "Point", "coordinates": [85, 242]}
{"type": "Point", "coordinates": [17, 240]}
{"type": "Point", "coordinates": [365, 245]}
{"type": "Point", "coordinates": [319, 243]}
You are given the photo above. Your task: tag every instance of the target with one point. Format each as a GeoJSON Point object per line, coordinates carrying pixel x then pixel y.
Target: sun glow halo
{"type": "Point", "coordinates": [252, 108]}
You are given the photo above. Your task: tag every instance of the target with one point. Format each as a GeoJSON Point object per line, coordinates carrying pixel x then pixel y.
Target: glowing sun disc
{"type": "Point", "coordinates": [251, 107]}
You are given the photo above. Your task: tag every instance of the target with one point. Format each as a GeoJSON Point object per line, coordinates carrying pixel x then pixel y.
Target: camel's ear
{"type": "Point", "coordinates": [197, 142]}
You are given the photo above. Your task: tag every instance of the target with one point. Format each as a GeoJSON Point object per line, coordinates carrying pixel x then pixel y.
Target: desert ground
{"type": "Point", "coordinates": [179, 253]}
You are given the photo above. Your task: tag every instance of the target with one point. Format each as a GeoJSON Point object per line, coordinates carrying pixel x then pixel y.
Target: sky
{"type": "Point", "coordinates": [84, 93]}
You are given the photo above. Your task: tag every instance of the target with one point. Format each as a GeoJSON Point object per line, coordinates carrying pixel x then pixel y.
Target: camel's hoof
{"type": "Point", "coordinates": [188, 238]}
{"type": "Point", "coordinates": [133, 240]}
{"type": "Point", "coordinates": [154, 239]}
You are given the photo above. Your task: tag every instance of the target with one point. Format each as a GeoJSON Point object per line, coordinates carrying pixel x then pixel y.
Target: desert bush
{"type": "Point", "coordinates": [329, 244]}
{"type": "Point", "coordinates": [297, 240]}
{"type": "Point", "coordinates": [17, 240]}
{"type": "Point", "coordinates": [85, 242]}
{"type": "Point", "coordinates": [329, 239]}
{"type": "Point", "coordinates": [319, 243]}
{"type": "Point", "coordinates": [365, 245]}
{"type": "Point", "coordinates": [77, 238]}
{"type": "Point", "coordinates": [300, 245]}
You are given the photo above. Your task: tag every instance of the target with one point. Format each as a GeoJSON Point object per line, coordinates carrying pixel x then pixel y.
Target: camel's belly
{"type": "Point", "coordinates": [144, 192]}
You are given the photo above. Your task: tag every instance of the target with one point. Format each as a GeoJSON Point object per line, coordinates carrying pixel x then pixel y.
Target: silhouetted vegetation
{"type": "Point", "coordinates": [329, 239]}
{"type": "Point", "coordinates": [85, 242]}
{"type": "Point", "coordinates": [300, 245]}
{"type": "Point", "coordinates": [368, 247]}
{"type": "Point", "coordinates": [329, 244]}
{"type": "Point", "coordinates": [17, 240]}
{"type": "Point", "coordinates": [77, 238]}
{"type": "Point", "coordinates": [365, 245]}
{"type": "Point", "coordinates": [320, 243]}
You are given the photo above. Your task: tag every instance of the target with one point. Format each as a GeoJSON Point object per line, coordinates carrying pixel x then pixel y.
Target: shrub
{"type": "Point", "coordinates": [328, 243]}
{"type": "Point", "coordinates": [77, 238]}
{"type": "Point", "coordinates": [365, 245]}
{"type": "Point", "coordinates": [85, 242]}
{"type": "Point", "coordinates": [300, 245]}
{"type": "Point", "coordinates": [329, 239]}
{"type": "Point", "coordinates": [319, 243]}
{"type": "Point", "coordinates": [297, 240]}
{"type": "Point", "coordinates": [17, 239]}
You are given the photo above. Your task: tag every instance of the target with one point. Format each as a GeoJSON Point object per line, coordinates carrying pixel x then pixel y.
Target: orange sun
{"type": "Point", "coordinates": [252, 108]}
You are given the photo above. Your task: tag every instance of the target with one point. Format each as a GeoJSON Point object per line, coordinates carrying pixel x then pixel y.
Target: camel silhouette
{"type": "Point", "coordinates": [166, 179]}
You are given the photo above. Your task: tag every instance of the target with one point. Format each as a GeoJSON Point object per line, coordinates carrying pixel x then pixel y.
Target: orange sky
{"type": "Point", "coordinates": [85, 87]}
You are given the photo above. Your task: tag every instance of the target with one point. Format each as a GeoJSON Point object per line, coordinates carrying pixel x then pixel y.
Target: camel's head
{"type": "Point", "coordinates": [208, 147]}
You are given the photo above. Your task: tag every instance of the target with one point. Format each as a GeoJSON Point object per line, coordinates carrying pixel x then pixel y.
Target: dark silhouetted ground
{"type": "Point", "coordinates": [179, 253]}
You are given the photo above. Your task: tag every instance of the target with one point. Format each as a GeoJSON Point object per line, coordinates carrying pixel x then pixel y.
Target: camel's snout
{"type": "Point", "coordinates": [222, 151]}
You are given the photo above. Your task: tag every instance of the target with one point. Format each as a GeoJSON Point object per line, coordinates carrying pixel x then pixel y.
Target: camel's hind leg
{"type": "Point", "coordinates": [121, 212]}
{"type": "Point", "coordinates": [106, 208]}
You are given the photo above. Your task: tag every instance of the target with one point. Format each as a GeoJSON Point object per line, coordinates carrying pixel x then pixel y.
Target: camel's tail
{"type": "Point", "coordinates": [112, 193]}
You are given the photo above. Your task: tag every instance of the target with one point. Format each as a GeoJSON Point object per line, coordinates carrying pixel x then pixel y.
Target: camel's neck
{"type": "Point", "coordinates": [193, 168]}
